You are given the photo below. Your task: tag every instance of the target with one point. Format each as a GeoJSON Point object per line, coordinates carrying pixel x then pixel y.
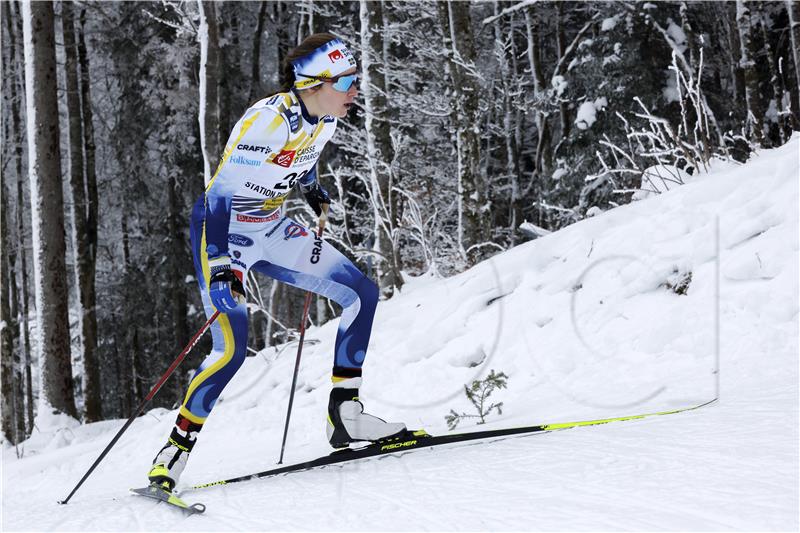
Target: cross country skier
{"type": "Point", "coordinates": [237, 225]}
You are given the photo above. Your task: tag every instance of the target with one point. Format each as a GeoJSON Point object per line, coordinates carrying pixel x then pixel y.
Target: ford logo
{"type": "Point", "coordinates": [239, 240]}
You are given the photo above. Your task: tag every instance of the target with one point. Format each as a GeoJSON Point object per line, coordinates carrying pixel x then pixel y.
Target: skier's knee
{"type": "Point", "coordinates": [368, 291]}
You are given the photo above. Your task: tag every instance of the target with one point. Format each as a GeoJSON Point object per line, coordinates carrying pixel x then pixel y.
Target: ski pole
{"type": "Point", "coordinates": [147, 399]}
{"type": "Point", "coordinates": [323, 218]}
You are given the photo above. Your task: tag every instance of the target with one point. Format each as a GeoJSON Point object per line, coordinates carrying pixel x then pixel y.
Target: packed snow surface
{"type": "Point", "coordinates": [615, 315]}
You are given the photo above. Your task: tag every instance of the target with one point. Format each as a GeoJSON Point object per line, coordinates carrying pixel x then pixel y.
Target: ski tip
{"type": "Point", "coordinates": [157, 493]}
{"type": "Point", "coordinates": [197, 508]}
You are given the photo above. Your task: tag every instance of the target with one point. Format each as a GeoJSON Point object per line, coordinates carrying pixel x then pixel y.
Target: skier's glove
{"type": "Point", "coordinates": [224, 285]}
{"type": "Point", "coordinates": [315, 195]}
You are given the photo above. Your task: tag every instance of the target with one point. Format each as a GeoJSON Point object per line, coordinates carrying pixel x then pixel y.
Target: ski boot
{"type": "Point", "coordinates": [347, 421]}
{"type": "Point", "coordinates": [171, 459]}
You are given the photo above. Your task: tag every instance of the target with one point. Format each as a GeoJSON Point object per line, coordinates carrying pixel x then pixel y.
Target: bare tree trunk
{"type": "Point", "coordinates": [256, 89]}
{"type": "Point", "coordinates": [311, 24]}
{"type": "Point", "coordinates": [380, 152]}
{"type": "Point", "coordinates": [177, 275]}
{"type": "Point", "coordinates": [11, 394]}
{"type": "Point", "coordinates": [228, 87]}
{"type": "Point", "coordinates": [81, 236]}
{"type": "Point", "coordinates": [8, 369]}
{"type": "Point", "coordinates": [280, 23]}
{"type": "Point", "coordinates": [561, 44]}
{"type": "Point", "coordinates": [92, 204]}
{"type": "Point", "coordinates": [88, 259]}
{"type": "Point", "coordinates": [19, 390]}
{"type": "Point", "coordinates": [126, 251]}
{"type": "Point", "coordinates": [24, 306]}
{"type": "Point", "coordinates": [209, 76]}
{"type": "Point", "coordinates": [137, 367]}
{"type": "Point", "coordinates": [13, 245]}
{"type": "Point", "coordinates": [47, 206]}
{"type": "Point", "coordinates": [543, 155]}
{"type": "Point", "coordinates": [727, 13]}
{"type": "Point", "coordinates": [77, 193]}
{"type": "Point", "coordinates": [755, 109]}
{"type": "Point", "coordinates": [502, 36]}
{"type": "Point", "coordinates": [686, 25]}
{"type": "Point", "coordinates": [123, 375]}
{"type": "Point", "coordinates": [322, 310]}
{"type": "Point", "coordinates": [793, 9]}
{"type": "Point", "coordinates": [517, 134]}
{"type": "Point", "coordinates": [13, 399]}
{"type": "Point", "coordinates": [273, 308]}
{"type": "Point", "coordinates": [472, 200]}
{"type": "Point", "coordinates": [775, 79]}
{"type": "Point", "coordinates": [10, 327]}
{"type": "Point", "coordinates": [16, 90]}
{"type": "Point", "coordinates": [305, 20]}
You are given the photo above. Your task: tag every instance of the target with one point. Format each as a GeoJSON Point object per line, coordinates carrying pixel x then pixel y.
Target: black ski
{"type": "Point", "coordinates": [420, 439]}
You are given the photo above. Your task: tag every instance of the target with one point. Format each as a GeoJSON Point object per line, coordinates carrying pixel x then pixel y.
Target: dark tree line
{"type": "Point", "coordinates": [479, 125]}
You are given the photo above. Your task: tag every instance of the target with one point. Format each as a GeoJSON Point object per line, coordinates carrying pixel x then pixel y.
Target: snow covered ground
{"type": "Point", "coordinates": [582, 321]}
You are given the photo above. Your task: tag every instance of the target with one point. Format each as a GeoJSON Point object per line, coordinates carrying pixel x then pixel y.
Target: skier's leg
{"type": "Point", "coordinates": [296, 256]}
{"type": "Point", "coordinates": [229, 334]}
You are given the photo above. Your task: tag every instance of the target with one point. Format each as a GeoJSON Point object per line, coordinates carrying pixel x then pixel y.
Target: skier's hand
{"type": "Point", "coordinates": [224, 288]}
{"type": "Point", "coordinates": [316, 196]}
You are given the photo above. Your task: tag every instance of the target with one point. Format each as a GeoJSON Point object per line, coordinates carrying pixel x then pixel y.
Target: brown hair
{"type": "Point", "coordinates": [309, 44]}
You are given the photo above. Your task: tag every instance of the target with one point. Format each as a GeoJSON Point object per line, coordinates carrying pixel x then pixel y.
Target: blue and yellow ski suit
{"type": "Point", "coordinates": [272, 147]}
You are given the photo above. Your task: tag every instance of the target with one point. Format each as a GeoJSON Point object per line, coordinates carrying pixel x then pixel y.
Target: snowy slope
{"type": "Point", "coordinates": [584, 326]}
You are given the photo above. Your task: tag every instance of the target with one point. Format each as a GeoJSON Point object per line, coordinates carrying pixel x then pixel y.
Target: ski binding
{"type": "Point", "coordinates": [159, 493]}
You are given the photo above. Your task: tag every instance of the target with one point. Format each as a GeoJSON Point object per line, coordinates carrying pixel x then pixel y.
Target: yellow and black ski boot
{"type": "Point", "coordinates": [171, 459]}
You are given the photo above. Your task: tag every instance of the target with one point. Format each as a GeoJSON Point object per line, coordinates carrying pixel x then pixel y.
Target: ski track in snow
{"type": "Point", "coordinates": [732, 465]}
{"type": "Point", "coordinates": [580, 477]}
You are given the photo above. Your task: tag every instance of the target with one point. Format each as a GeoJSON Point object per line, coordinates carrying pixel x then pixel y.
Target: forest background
{"type": "Point", "coordinates": [479, 125]}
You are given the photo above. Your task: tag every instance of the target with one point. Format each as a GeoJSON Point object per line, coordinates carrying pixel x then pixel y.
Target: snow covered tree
{"type": "Point", "coordinates": [473, 206]}
{"type": "Point", "coordinates": [9, 376]}
{"type": "Point", "coordinates": [87, 260]}
{"type": "Point", "coordinates": [208, 35]}
{"type": "Point", "coordinates": [18, 217]}
{"type": "Point", "coordinates": [256, 85]}
{"type": "Point", "coordinates": [83, 215]}
{"type": "Point", "coordinates": [474, 118]}
{"type": "Point", "coordinates": [793, 12]}
{"type": "Point", "coordinates": [379, 152]}
{"type": "Point", "coordinates": [749, 51]}
{"type": "Point", "coordinates": [47, 207]}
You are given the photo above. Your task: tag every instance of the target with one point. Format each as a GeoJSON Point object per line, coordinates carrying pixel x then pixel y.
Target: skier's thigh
{"type": "Point", "coordinates": [299, 249]}
{"type": "Point", "coordinates": [244, 249]}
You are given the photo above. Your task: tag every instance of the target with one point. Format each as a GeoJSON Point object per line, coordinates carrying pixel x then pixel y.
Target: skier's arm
{"type": "Point", "coordinates": [257, 134]}
{"type": "Point", "coordinates": [309, 179]}
{"type": "Point", "coordinates": [315, 194]}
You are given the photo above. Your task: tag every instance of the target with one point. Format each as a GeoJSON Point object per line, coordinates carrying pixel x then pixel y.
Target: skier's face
{"type": "Point", "coordinates": [336, 97]}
